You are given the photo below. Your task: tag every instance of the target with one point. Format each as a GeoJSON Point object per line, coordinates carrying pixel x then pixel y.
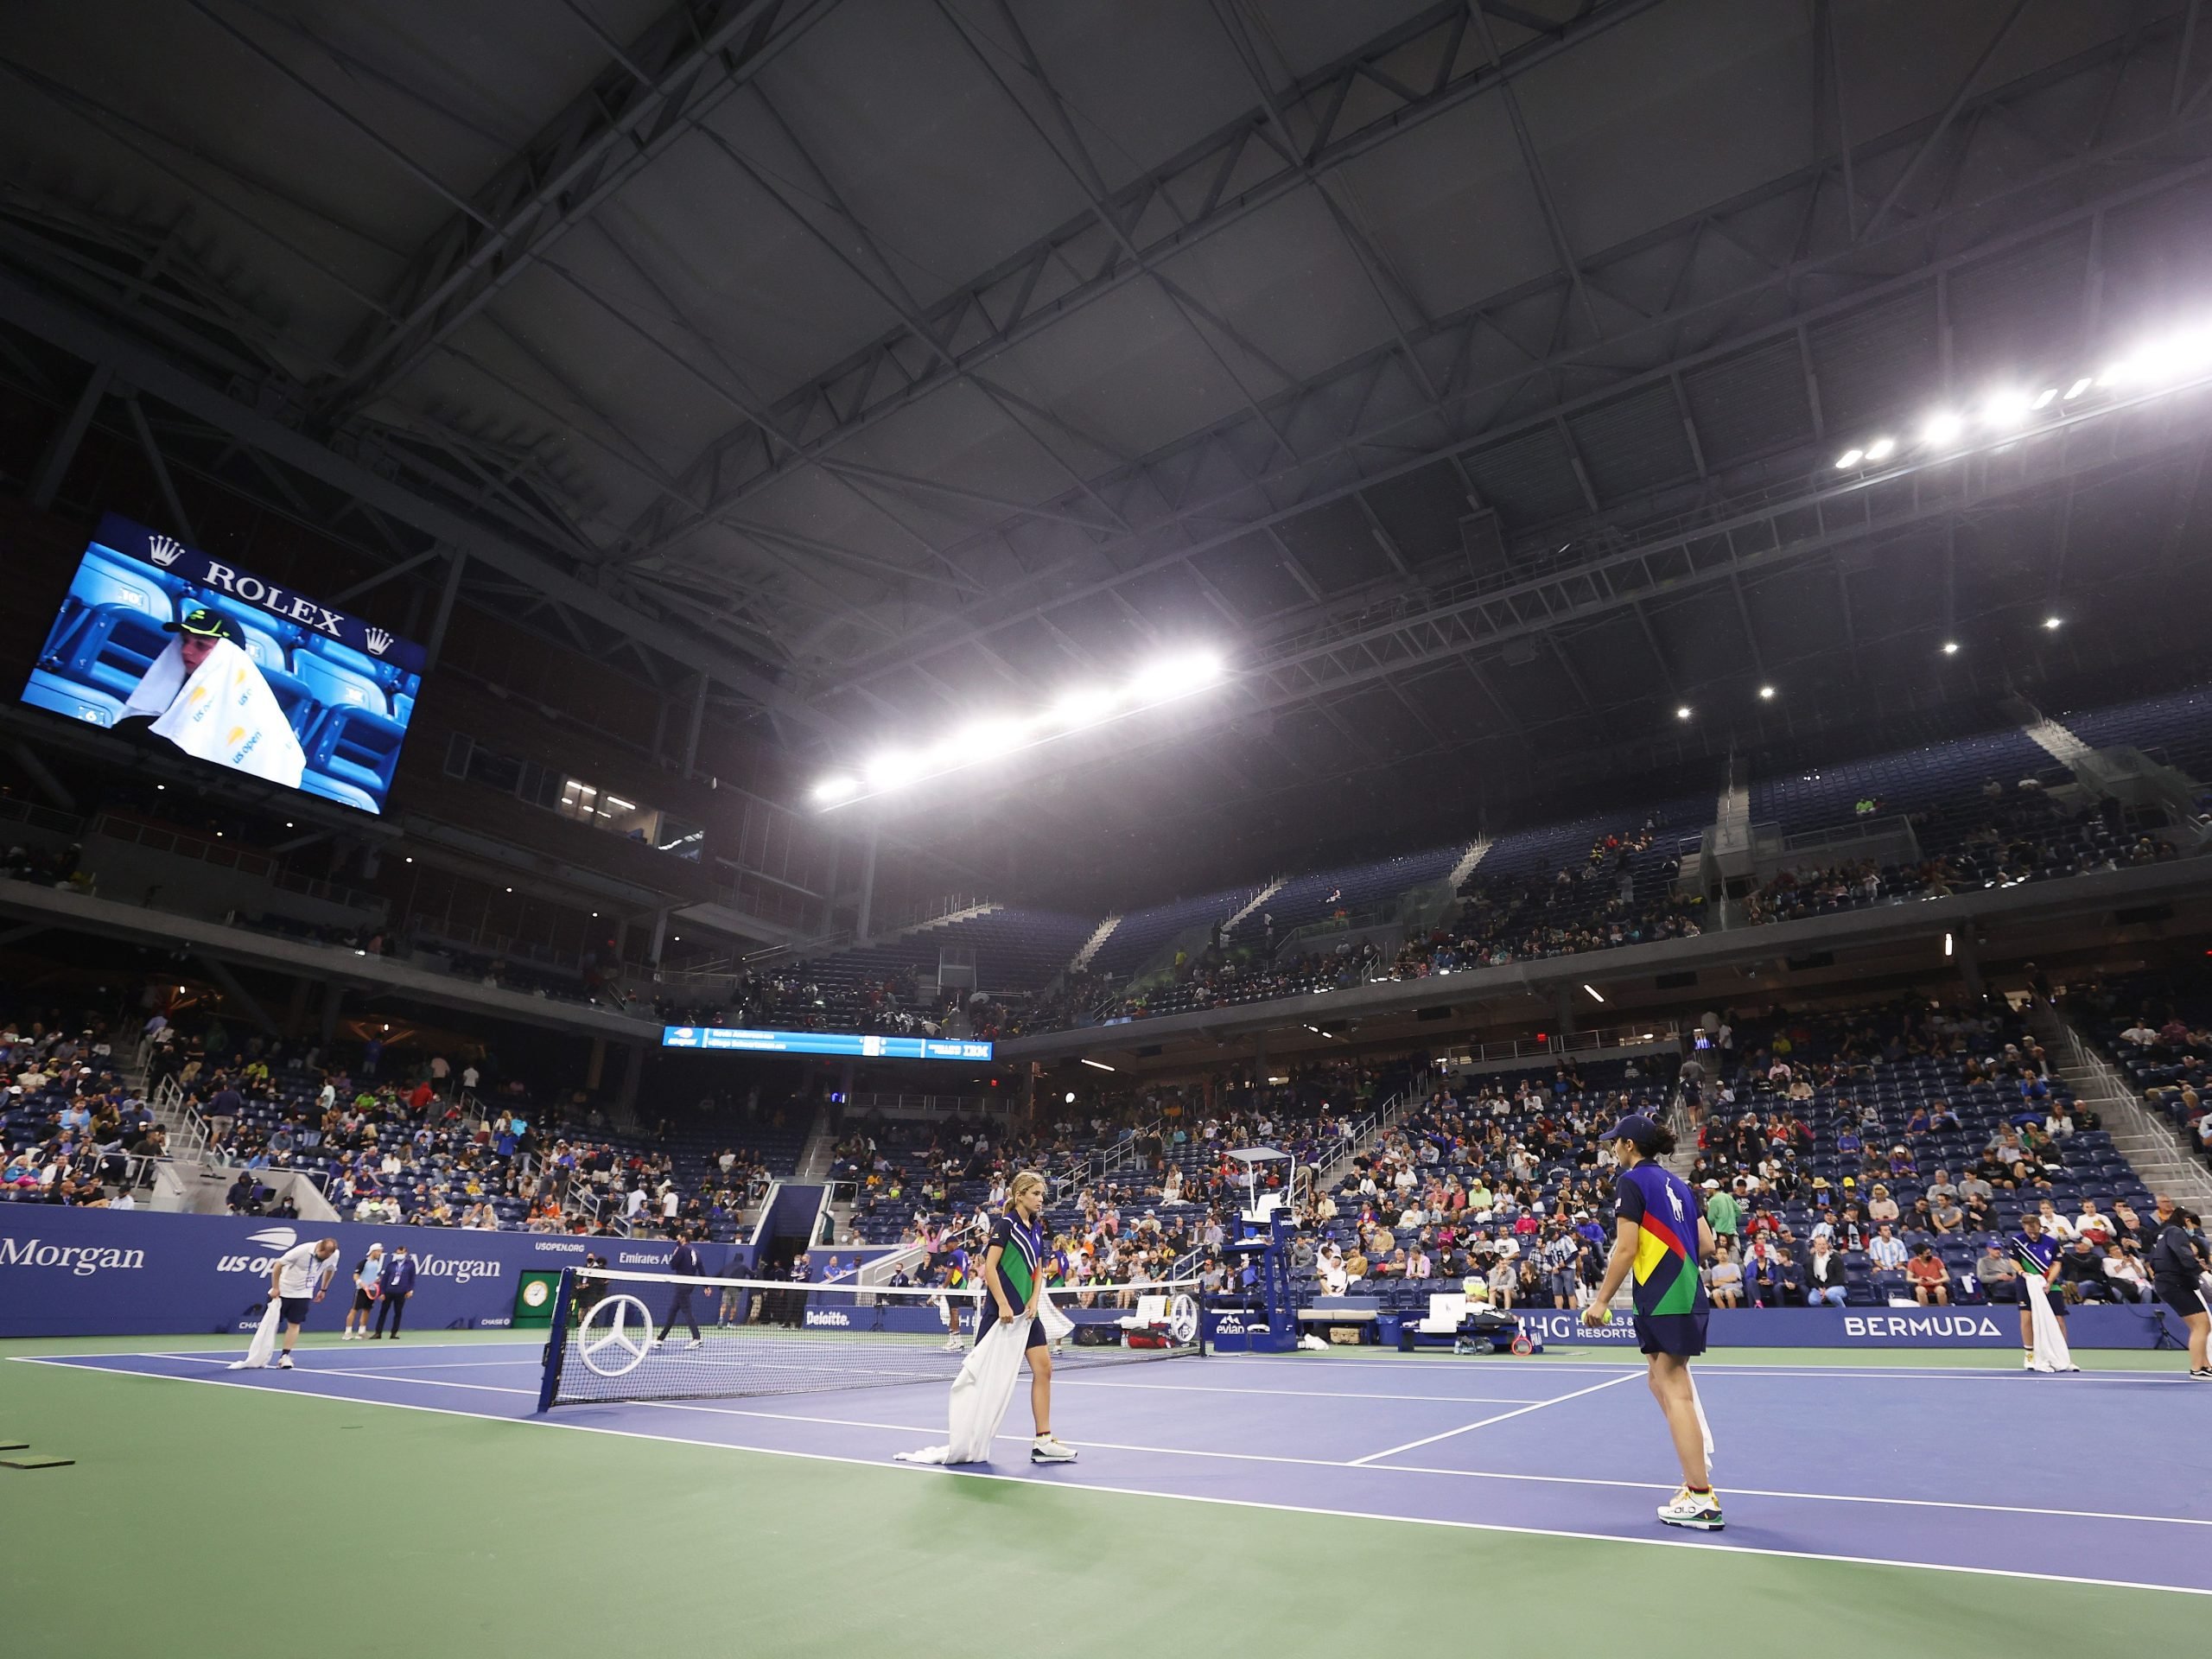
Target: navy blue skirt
{"type": "Point", "coordinates": [1680, 1334]}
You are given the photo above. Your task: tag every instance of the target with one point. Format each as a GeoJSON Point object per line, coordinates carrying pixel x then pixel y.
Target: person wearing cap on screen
{"type": "Point", "coordinates": [205, 694]}
{"type": "Point", "coordinates": [1661, 1236]}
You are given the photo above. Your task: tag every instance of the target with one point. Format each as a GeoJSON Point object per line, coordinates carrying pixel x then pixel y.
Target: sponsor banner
{"type": "Point", "coordinates": [1998, 1326]}
{"type": "Point", "coordinates": [86, 1273]}
{"type": "Point", "coordinates": [860, 1045]}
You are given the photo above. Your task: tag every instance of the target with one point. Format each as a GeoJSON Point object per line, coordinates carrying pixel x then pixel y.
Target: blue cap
{"type": "Point", "coordinates": [1637, 1127]}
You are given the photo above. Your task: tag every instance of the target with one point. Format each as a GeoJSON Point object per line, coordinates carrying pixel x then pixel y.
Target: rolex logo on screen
{"type": "Point", "coordinates": [379, 642]}
{"type": "Point", "coordinates": [164, 551]}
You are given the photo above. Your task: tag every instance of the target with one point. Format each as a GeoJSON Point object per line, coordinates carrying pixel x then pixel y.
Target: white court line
{"type": "Point", "coordinates": [1707, 1542]}
{"type": "Point", "coordinates": [1365, 1464]}
{"type": "Point", "coordinates": [1431, 1439]}
{"type": "Point", "coordinates": [1080, 1380]}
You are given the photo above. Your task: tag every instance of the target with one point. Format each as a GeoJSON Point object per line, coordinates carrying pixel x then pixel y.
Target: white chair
{"type": "Point", "coordinates": [1446, 1309]}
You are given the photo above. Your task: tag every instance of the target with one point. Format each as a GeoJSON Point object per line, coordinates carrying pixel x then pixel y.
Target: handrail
{"type": "Point", "coordinates": [39, 818]}
{"type": "Point", "coordinates": [116, 826]}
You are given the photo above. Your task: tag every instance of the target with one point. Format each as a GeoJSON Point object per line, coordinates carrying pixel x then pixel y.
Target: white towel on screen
{"type": "Point", "coordinates": [223, 711]}
{"type": "Point", "coordinates": [984, 1388]}
{"type": "Point", "coordinates": [2052, 1353]}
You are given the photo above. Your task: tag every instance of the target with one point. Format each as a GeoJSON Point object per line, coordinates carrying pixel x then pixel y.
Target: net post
{"type": "Point", "coordinates": [556, 1341]}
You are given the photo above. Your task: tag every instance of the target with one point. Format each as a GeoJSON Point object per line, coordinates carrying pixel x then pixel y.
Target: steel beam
{"type": "Point", "coordinates": [1181, 533]}
{"type": "Point", "coordinates": [688, 61]}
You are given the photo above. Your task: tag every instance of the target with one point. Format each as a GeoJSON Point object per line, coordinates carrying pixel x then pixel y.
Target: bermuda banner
{"type": "Point", "coordinates": [2096, 1325]}
{"type": "Point", "coordinates": [94, 1273]}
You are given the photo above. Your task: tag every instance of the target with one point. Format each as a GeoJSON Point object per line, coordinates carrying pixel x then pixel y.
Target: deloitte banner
{"type": "Point", "coordinates": [93, 1273]}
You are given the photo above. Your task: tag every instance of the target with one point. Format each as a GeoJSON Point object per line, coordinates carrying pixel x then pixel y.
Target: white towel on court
{"type": "Point", "coordinates": [264, 1339]}
{"type": "Point", "coordinates": [984, 1388]}
{"type": "Point", "coordinates": [2052, 1353]}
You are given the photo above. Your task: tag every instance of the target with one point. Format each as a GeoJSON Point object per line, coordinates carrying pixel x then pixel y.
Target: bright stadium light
{"type": "Point", "coordinates": [2052, 623]}
{"type": "Point", "coordinates": [1950, 647]}
{"type": "Point", "coordinates": [1176, 677]}
{"type": "Point", "coordinates": [1682, 713]}
{"type": "Point", "coordinates": [1881, 448]}
{"type": "Point", "coordinates": [2044, 398]}
{"type": "Point", "coordinates": [1766, 694]}
{"type": "Point", "coordinates": [830, 790]}
{"type": "Point", "coordinates": [1595, 995]}
{"type": "Point", "coordinates": [1943, 426]}
{"type": "Point", "coordinates": [1084, 705]}
{"type": "Point", "coordinates": [1849, 459]}
{"type": "Point", "coordinates": [2006, 407]}
{"type": "Point", "coordinates": [986, 739]}
{"type": "Point", "coordinates": [1099, 1065]}
{"type": "Point", "coordinates": [2079, 386]}
{"type": "Point", "coordinates": [892, 768]}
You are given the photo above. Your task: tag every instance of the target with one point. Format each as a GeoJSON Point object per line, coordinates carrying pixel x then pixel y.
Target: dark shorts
{"type": "Point", "coordinates": [1036, 1338]}
{"type": "Point", "coordinates": [1680, 1334]}
{"type": "Point", "coordinates": [2182, 1298]}
{"type": "Point", "coordinates": [296, 1309]}
{"type": "Point", "coordinates": [362, 1300]}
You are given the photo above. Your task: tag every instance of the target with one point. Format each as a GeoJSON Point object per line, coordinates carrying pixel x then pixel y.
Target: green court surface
{"type": "Point", "coordinates": [245, 1521]}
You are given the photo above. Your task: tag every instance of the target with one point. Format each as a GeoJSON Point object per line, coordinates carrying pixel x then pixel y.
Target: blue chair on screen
{"type": "Point", "coordinates": [355, 741]}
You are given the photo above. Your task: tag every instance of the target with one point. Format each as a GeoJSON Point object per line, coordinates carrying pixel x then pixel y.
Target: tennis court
{"type": "Point", "coordinates": [1309, 1496]}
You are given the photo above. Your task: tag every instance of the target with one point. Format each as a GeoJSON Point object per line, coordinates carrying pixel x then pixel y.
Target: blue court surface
{"type": "Point", "coordinates": [2099, 1477]}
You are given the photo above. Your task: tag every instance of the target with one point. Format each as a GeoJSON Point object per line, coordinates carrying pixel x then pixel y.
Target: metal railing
{"type": "Point", "coordinates": [262, 866]}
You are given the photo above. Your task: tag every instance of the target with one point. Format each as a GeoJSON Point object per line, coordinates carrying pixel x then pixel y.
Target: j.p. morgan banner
{"type": "Point", "coordinates": [83, 1273]}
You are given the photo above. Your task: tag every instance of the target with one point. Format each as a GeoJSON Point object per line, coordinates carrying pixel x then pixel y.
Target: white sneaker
{"type": "Point", "coordinates": [1689, 1508]}
{"type": "Point", "coordinates": [2202, 1374]}
{"type": "Point", "coordinates": [954, 1346]}
{"type": "Point", "coordinates": [695, 1342]}
{"type": "Point", "coordinates": [2028, 1362]}
{"type": "Point", "coordinates": [285, 1364]}
{"type": "Point", "coordinates": [1047, 1448]}
{"type": "Point", "coordinates": [245, 1365]}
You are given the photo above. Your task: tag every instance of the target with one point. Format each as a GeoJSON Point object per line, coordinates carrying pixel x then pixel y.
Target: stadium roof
{"type": "Point", "coordinates": [1471, 375]}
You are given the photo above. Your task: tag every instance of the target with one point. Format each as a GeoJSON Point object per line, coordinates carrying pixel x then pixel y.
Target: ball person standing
{"type": "Point", "coordinates": [1660, 1233]}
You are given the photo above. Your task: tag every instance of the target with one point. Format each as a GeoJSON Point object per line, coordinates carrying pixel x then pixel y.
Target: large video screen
{"type": "Point", "coordinates": [864, 1045]}
{"type": "Point", "coordinates": [157, 637]}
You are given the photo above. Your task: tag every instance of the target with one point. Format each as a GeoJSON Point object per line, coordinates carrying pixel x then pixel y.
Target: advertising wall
{"type": "Point", "coordinates": [72, 1272]}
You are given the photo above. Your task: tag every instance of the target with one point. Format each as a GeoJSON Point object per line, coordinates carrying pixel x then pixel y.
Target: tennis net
{"type": "Point", "coordinates": [762, 1335]}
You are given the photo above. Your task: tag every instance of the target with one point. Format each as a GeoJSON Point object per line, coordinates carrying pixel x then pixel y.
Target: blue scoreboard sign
{"type": "Point", "coordinates": [866, 1045]}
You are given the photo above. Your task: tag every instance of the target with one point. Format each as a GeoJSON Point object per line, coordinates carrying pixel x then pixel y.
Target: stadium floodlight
{"type": "Point", "coordinates": [1595, 994]}
{"type": "Point", "coordinates": [1071, 1096]}
{"type": "Point", "coordinates": [1084, 705]}
{"type": "Point", "coordinates": [1941, 428]}
{"type": "Point", "coordinates": [1682, 713]}
{"type": "Point", "coordinates": [2044, 398]}
{"type": "Point", "coordinates": [1766, 694]}
{"type": "Point", "coordinates": [1947, 945]}
{"type": "Point", "coordinates": [893, 767]}
{"type": "Point", "coordinates": [985, 740]}
{"type": "Point", "coordinates": [1176, 677]}
{"type": "Point", "coordinates": [830, 790]}
{"type": "Point", "coordinates": [1097, 1066]}
{"type": "Point", "coordinates": [2079, 386]}
{"type": "Point", "coordinates": [2052, 623]}
{"type": "Point", "coordinates": [1881, 448]}
{"type": "Point", "coordinates": [1849, 459]}
{"type": "Point", "coordinates": [2008, 406]}
{"type": "Point", "coordinates": [1950, 647]}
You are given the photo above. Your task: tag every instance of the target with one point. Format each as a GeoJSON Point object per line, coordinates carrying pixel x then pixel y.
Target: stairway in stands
{"type": "Point", "coordinates": [2152, 1147]}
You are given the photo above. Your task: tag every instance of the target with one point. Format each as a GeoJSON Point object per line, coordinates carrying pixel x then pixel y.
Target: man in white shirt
{"type": "Point", "coordinates": [2140, 1034]}
{"type": "Point", "coordinates": [296, 1278]}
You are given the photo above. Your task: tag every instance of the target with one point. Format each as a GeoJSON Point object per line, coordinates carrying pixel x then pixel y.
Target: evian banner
{"type": "Point", "coordinates": [81, 1273]}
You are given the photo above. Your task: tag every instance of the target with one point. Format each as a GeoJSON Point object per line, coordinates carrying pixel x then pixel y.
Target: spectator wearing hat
{"type": "Point", "coordinates": [1721, 1214]}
